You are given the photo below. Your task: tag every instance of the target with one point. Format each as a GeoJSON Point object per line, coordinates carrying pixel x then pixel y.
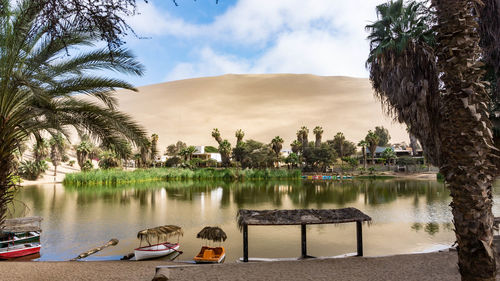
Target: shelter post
{"type": "Point", "coordinates": [359, 236]}
{"type": "Point", "coordinates": [245, 243]}
{"type": "Point", "coordinates": [304, 240]}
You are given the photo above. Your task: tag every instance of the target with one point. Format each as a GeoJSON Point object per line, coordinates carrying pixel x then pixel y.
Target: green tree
{"type": "Point", "coordinates": [154, 147]}
{"type": "Point", "coordinates": [187, 152]}
{"type": "Point", "coordinates": [318, 132]}
{"type": "Point", "coordinates": [363, 145]}
{"type": "Point", "coordinates": [296, 146]}
{"type": "Point", "coordinates": [239, 136]}
{"type": "Point", "coordinates": [277, 145]}
{"type": "Point", "coordinates": [225, 152]}
{"type": "Point", "coordinates": [389, 155]}
{"type": "Point", "coordinates": [216, 135]}
{"type": "Point", "coordinates": [444, 103]}
{"type": "Point", "coordinates": [58, 148]}
{"type": "Point", "coordinates": [39, 84]}
{"type": "Point", "coordinates": [302, 136]}
{"type": "Point", "coordinates": [174, 149]}
{"type": "Point", "coordinates": [40, 149]}
{"type": "Point", "coordinates": [292, 159]}
{"type": "Point", "coordinates": [372, 140]}
{"type": "Point", "coordinates": [108, 160]}
{"type": "Point", "coordinates": [383, 135]}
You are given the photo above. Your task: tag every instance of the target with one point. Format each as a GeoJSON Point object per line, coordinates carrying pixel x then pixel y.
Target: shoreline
{"type": "Point", "coordinates": [424, 266]}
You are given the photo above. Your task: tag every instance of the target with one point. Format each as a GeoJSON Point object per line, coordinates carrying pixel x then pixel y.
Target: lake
{"type": "Point", "coordinates": [408, 216]}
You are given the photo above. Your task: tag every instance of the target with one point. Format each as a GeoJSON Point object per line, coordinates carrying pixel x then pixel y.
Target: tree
{"type": "Point", "coordinates": [318, 132]}
{"type": "Point", "coordinates": [389, 155]}
{"type": "Point", "coordinates": [188, 152]}
{"type": "Point", "coordinates": [225, 152]}
{"type": "Point", "coordinates": [57, 150]}
{"type": "Point", "coordinates": [303, 132]}
{"type": "Point", "coordinates": [292, 159]}
{"type": "Point", "coordinates": [40, 149]}
{"type": "Point", "coordinates": [372, 140]}
{"type": "Point", "coordinates": [296, 146]}
{"type": "Point", "coordinates": [174, 149]}
{"type": "Point", "coordinates": [444, 103]}
{"type": "Point", "coordinates": [154, 147]}
{"type": "Point", "coordinates": [363, 145]}
{"type": "Point", "coordinates": [108, 160]}
{"type": "Point", "coordinates": [319, 158]}
{"type": "Point", "coordinates": [413, 142]}
{"type": "Point", "coordinates": [239, 136]}
{"type": "Point", "coordinates": [39, 84]}
{"type": "Point", "coordinates": [383, 135]}
{"type": "Point", "coordinates": [83, 151]}
{"type": "Point", "coordinates": [216, 136]}
{"type": "Point", "coordinates": [277, 145]}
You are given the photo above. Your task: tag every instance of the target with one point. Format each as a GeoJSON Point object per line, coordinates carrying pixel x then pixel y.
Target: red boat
{"type": "Point", "coordinates": [19, 250]}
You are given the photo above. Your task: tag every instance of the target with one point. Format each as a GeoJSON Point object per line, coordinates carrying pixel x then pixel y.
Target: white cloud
{"type": "Point", "coordinates": [321, 37]}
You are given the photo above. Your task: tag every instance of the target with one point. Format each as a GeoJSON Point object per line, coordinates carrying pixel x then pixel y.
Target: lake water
{"type": "Point", "coordinates": [408, 216]}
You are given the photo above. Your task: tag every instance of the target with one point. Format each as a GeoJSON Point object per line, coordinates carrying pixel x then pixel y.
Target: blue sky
{"type": "Point", "coordinates": [201, 38]}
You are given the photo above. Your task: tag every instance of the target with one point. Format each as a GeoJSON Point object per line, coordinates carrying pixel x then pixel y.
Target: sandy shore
{"type": "Point", "coordinates": [429, 266]}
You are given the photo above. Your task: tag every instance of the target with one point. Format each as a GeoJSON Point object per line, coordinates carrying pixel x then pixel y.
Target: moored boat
{"type": "Point", "coordinates": [17, 238]}
{"type": "Point", "coordinates": [160, 249]}
{"type": "Point", "coordinates": [155, 251]}
{"type": "Point", "coordinates": [19, 250]}
{"type": "Point", "coordinates": [209, 254]}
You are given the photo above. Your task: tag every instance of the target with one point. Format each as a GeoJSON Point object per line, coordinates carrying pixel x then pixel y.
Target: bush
{"type": "Point", "coordinates": [173, 161]}
{"type": "Point", "coordinates": [31, 170]}
{"type": "Point", "coordinates": [87, 166]}
{"type": "Point", "coordinates": [71, 163]}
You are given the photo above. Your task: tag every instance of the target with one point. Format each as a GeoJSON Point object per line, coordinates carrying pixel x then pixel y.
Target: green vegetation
{"type": "Point", "coordinates": [113, 177]}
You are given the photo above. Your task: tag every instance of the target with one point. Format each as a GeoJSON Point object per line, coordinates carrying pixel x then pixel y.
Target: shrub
{"type": "Point", "coordinates": [71, 163]}
{"type": "Point", "coordinates": [87, 166]}
{"type": "Point", "coordinates": [31, 170]}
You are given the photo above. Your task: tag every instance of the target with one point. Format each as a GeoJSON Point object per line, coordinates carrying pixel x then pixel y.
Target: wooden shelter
{"type": "Point", "coordinates": [22, 224]}
{"type": "Point", "coordinates": [301, 217]}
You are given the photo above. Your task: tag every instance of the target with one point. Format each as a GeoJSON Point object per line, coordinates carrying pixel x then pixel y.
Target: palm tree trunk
{"type": "Point", "coordinates": [364, 157]}
{"type": "Point", "coordinates": [466, 138]}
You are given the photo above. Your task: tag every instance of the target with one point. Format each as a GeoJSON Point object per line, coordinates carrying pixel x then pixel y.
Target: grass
{"type": "Point", "coordinates": [116, 177]}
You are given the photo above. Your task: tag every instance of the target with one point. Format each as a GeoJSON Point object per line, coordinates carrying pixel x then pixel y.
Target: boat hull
{"type": "Point", "coordinates": [211, 255]}
{"type": "Point", "coordinates": [155, 251]}
{"type": "Point", "coordinates": [18, 239]}
{"type": "Point", "coordinates": [19, 251]}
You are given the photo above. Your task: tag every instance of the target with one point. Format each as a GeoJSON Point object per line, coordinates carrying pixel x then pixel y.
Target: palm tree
{"type": "Point", "coordinates": [372, 140]}
{"type": "Point", "coordinates": [154, 148]}
{"type": "Point", "coordinates": [304, 132]}
{"type": "Point", "coordinates": [277, 145]}
{"type": "Point", "coordinates": [39, 83]}
{"type": "Point", "coordinates": [239, 136]}
{"type": "Point", "coordinates": [318, 132]}
{"type": "Point", "coordinates": [363, 145]}
{"type": "Point", "coordinates": [452, 126]}
{"type": "Point", "coordinates": [216, 135]}
{"type": "Point", "coordinates": [40, 149]}
{"type": "Point", "coordinates": [83, 151]}
{"type": "Point", "coordinates": [338, 142]}
{"type": "Point", "coordinates": [57, 150]}
{"type": "Point", "coordinates": [296, 145]}
{"type": "Point", "coordinates": [225, 152]}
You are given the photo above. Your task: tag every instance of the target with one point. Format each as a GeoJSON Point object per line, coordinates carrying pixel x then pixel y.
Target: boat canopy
{"type": "Point", "coordinates": [159, 233]}
{"type": "Point", "coordinates": [22, 224]}
{"type": "Point", "coordinates": [213, 233]}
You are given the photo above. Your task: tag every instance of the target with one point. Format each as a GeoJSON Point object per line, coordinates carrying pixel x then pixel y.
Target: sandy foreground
{"type": "Point", "coordinates": [429, 266]}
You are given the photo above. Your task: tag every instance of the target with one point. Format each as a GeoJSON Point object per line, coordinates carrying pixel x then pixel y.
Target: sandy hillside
{"type": "Point", "coordinates": [262, 105]}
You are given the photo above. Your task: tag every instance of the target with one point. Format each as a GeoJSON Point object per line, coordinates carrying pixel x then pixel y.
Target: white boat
{"type": "Point", "coordinates": [155, 251]}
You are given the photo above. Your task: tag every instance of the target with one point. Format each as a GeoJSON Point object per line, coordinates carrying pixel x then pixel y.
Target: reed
{"type": "Point", "coordinates": [116, 177]}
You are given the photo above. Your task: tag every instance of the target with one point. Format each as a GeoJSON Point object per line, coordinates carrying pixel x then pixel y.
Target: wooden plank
{"type": "Point", "coordinates": [304, 240]}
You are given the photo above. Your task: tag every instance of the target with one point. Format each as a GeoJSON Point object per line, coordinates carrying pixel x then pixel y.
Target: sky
{"type": "Point", "coordinates": [202, 38]}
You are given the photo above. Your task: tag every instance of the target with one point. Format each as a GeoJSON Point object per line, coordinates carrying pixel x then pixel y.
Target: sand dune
{"type": "Point", "coordinates": [263, 106]}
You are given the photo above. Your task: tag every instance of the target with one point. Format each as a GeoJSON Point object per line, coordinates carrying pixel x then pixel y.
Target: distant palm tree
{"type": "Point", "coordinates": [154, 145]}
{"type": "Point", "coordinates": [372, 139]}
{"type": "Point", "coordinates": [239, 136]}
{"type": "Point", "coordinates": [277, 145]}
{"type": "Point", "coordinates": [363, 145]}
{"type": "Point", "coordinates": [296, 145]}
{"type": "Point", "coordinates": [216, 135]}
{"type": "Point", "coordinates": [225, 151]}
{"type": "Point", "coordinates": [318, 132]}
{"type": "Point", "coordinates": [40, 149]}
{"type": "Point", "coordinates": [57, 150]}
{"type": "Point", "coordinates": [304, 133]}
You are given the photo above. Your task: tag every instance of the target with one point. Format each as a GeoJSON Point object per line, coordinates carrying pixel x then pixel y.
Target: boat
{"type": "Point", "coordinates": [20, 237]}
{"type": "Point", "coordinates": [16, 238]}
{"type": "Point", "coordinates": [209, 254]}
{"type": "Point", "coordinates": [159, 249]}
{"type": "Point", "coordinates": [155, 251]}
{"type": "Point", "coordinates": [20, 250]}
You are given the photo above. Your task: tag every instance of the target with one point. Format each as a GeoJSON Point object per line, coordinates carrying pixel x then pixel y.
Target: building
{"type": "Point", "coordinates": [201, 154]}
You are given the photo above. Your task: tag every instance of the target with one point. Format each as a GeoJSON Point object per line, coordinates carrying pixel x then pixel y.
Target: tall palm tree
{"type": "Point", "coordinates": [318, 132]}
{"type": "Point", "coordinates": [363, 145]}
{"type": "Point", "coordinates": [452, 126]}
{"type": "Point", "coordinates": [83, 151]}
{"type": "Point", "coordinates": [40, 149]}
{"type": "Point", "coordinates": [372, 140]}
{"type": "Point", "coordinates": [338, 141]}
{"type": "Point", "coordinates": [304, 133]}
{"type": "Point", "coordinates": [57, 150]}
{"type": "Point", "coordinates": [216, 135]}
{"type": "Point", "coordinates": [296, 145]}
{"type": "Point", "coordinates": [154, 148]}
{"type": "Point", "coordinates": [39, 83]}
{"type": "Point", "coordinates": [225, 152]}
{"type": "Point", "coordinates": [277, 145]}
{"type": "Point", "coordinates": [239, 136]}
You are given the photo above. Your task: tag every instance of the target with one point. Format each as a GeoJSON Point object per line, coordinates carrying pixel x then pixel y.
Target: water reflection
{"type": "Point", "coordinates": [415, 213]}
